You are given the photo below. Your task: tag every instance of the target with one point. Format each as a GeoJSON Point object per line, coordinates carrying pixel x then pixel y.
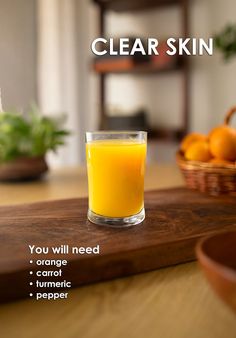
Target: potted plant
{"type": "Point", "coordinates": [24, 142]}
{"type": "Point", "coordinates": [225, 41]}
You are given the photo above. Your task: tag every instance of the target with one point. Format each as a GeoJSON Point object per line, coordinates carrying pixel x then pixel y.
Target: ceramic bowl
{"type": "Point", "coordinates": [217, 257]}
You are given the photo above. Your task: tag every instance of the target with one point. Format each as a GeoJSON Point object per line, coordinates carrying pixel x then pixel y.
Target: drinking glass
{"type": "Point", "coordinates": [116, 167]}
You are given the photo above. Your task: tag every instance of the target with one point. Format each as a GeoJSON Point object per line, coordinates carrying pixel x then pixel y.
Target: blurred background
{"type": "Point", "coordinates": [46, 58]}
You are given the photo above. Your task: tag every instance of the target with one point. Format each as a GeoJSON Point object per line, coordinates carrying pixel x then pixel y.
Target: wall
{"type": "Point", "coordinates": [18, 57]}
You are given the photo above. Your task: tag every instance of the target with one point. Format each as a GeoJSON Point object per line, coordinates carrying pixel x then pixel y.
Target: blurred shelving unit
{"type": "Point", "coordinates": [133, 6]}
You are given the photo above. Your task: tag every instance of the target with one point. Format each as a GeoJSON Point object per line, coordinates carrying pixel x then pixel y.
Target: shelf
{"type": "Point", "coordinates": [133, 5]}
{"type": "Point", "coordinates": [172, 134]}
{"type": "Point", "coordinates": [152, 67]}
{"type": "Point", "coordinates": [135, 68]}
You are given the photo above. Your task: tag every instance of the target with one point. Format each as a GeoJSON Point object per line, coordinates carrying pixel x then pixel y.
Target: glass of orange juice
{"type": "Point", "coordinates": [116, 167]}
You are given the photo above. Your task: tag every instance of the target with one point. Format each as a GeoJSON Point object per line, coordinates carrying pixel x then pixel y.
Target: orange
{"type": "Point", "coordinates": [198, 151]}
{"type": "Point", "coordinates": [223, 143]}
{"type": "Point", "coordinates": [190, 139]}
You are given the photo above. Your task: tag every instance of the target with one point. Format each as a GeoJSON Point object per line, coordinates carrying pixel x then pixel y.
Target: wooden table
{"type": "Point", "coordinates": [173, 302]}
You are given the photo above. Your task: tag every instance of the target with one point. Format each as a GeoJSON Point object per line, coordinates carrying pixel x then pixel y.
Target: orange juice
{"type": "Point", "coordinates": [116, 176]}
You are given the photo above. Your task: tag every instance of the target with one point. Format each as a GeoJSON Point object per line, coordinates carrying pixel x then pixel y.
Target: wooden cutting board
{"type": "Point", "coordinates": [175, 220]}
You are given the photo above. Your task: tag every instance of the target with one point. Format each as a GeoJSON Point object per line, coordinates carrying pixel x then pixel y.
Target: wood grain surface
{"type": "Point", "coordinates": [175, 220]}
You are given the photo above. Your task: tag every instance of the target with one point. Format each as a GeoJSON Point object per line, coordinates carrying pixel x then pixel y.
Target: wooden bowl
{"type": "Point", "coordinates": [217, 257]}
{"type": "Point", "coordinates": [23, 168]}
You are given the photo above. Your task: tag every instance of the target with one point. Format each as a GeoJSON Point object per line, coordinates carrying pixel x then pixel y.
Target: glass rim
{"type": "Point", "coordinates": [139, 135]}
{"type": "Point", "coordinates": [115, 132]}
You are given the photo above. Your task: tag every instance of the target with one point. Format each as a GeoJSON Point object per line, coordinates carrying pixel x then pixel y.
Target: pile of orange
{"type": "Point", "coordinates": [218, 147]}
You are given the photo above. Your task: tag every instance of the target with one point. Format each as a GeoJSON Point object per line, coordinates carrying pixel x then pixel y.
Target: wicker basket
{"type": "Point", "coordinates": [214, 179]}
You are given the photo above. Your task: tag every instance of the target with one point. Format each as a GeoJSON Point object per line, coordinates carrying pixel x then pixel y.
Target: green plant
{"type": "Point", "coordinates": [225, 41]}
{"type": "Point", "coordinates": [28, 136]}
